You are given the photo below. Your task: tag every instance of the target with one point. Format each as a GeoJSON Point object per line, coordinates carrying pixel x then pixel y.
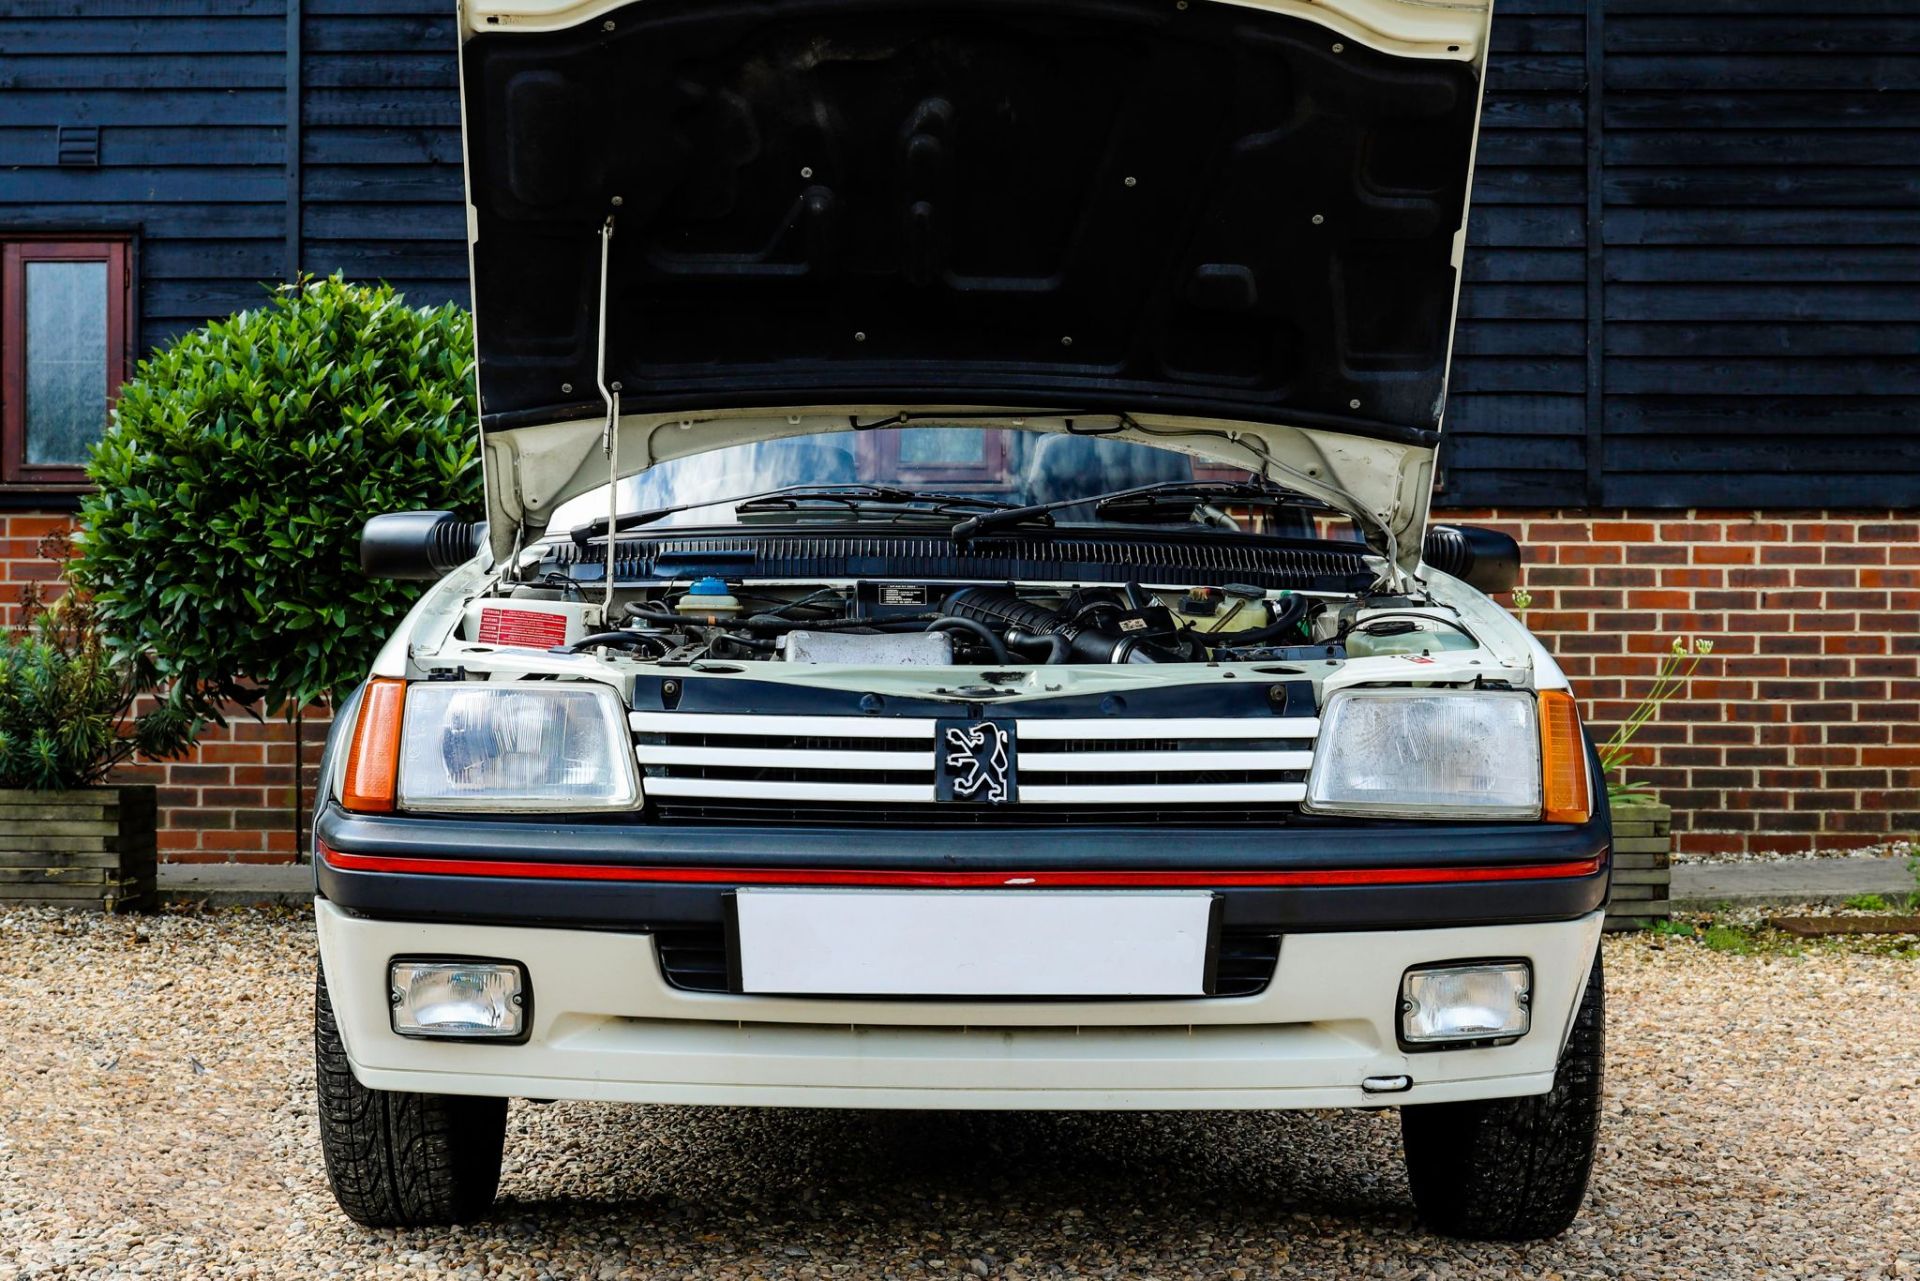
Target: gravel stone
{"type": "Point", "coordinates": [156, 1119]}
{"type": "Point", "coordinates": [1898, 848]}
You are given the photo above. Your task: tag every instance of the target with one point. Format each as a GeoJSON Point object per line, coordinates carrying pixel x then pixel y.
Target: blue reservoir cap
{"type": "Point", "coordinates": [708, 586]}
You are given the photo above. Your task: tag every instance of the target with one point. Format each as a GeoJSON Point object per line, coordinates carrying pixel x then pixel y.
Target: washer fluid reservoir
{"type": "Point", "coordinates": [1405, 634]}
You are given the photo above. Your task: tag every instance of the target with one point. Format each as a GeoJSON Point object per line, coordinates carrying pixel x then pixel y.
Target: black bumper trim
{"type": "Point", "coordinates": [645, 905]}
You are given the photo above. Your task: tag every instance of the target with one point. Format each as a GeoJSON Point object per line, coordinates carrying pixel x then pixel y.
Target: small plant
{"type": "Point", "coordinates": [1867, 903]}
{"type": "Point", "coordinates": [1676, 669]}
{"type": "Point", "coordinates": [1736, 939]}
{"type": "Point", "coordinates": [67, 700]}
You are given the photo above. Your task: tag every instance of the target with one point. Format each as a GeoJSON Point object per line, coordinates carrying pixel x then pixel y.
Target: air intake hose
{"type": "Point", "coordinates": [1084, 641]}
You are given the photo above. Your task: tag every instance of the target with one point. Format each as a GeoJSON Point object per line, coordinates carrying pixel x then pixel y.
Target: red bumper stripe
{"type": "Point", "coordinates": [950, 880]}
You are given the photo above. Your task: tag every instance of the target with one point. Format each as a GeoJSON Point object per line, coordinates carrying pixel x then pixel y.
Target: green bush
{"type": "Point", "coordinates": [221, 546]}
{"type": "Point", "coordinates": [66, 700]}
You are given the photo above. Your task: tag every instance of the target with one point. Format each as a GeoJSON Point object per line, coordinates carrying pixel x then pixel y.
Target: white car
{"type": "Point", "coordinates": [956, 623]}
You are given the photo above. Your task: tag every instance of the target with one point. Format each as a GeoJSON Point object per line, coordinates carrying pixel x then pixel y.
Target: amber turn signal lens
{"type": "Point", "coordinates": [1563, 760]}
{"type": "Point", "coordinates": [373, 758]}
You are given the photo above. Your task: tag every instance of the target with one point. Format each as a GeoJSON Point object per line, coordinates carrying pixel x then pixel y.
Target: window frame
{"type": "Point", "coordinates": [16, 252]}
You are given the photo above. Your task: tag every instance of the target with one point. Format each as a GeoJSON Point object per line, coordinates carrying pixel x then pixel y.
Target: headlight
{"type": "Point", "coordinates": [464, 1000]}
{"type": "Point", "coordinates": [1480, 1002]}
{"type": "Point", "coordinates": [521, 745]}
{"type": "Point", "coordinates": [1428, 753]}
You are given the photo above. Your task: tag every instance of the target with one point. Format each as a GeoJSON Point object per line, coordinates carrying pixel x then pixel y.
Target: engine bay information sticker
{"type": "Point", "coordinates": [981, 943]}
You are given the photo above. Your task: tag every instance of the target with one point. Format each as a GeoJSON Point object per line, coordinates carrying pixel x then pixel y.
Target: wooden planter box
{"type": "Point", "coordinates": [1642, 865]}
{"type": "Point", "coordinates": [88, 848]}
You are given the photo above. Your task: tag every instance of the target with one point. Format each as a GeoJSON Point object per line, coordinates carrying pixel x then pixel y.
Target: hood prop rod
{"type": "Point", "coordinates": [610, 439]}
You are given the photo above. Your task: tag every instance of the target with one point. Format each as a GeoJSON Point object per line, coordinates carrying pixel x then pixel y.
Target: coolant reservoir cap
{"type": "Point", "coordinates": [708, 586]}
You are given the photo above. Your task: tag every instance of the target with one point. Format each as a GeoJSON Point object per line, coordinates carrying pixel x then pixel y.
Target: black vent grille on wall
{"type": "Point", "coordinates": [78, 146]}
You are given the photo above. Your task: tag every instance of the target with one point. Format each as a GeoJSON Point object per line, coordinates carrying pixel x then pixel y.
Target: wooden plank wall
{"type": "Point", "coordinates": [1694, 273]}
{"type": "Point", "coordinates": [190, 99]}
{"type": "Point", "coordinates": [380, 181]}
{"type": "Point", "coordinates": [1695, 278]}
{"type": "Point", "coordinates": [1762, 235]}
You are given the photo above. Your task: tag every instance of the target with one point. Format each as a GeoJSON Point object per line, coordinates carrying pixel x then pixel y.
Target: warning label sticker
{"type": "Point", "coordinates": [532, 629]}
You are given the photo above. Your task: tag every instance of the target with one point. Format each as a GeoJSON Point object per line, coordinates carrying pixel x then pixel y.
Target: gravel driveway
{"type": "Point", "coordinates": [156, 1117]}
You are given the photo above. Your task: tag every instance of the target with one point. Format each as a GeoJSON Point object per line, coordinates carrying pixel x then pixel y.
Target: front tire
{"type": "Point", "coordinates": [1514, 1169]}
{"type": "Point", "coordinates": [399, 1160]}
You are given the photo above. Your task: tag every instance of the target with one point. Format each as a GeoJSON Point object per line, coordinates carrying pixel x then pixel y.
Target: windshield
{"type": "Point", "coordinates": [1003, 464]}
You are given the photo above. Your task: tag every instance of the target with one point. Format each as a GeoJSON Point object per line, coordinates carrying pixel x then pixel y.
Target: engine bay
{"type": "Point", "coordinates": [894, 623]}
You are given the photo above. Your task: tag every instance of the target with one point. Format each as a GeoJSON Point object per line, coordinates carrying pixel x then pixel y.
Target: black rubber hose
{"type": "Point", "coordinates": [1288, 613]}
{"type": "Point", "coordinates": [1057, 646]}
{"type": "Point", "coordinates": [777, 625]}
{"type": "Point", "coordinates": [613, 640]}
{"type": "Point", "coordinates": [656, 614]}
{"type": "Point", "coordinates": [979, 631]}
{"type": "Point", "coordinates": [1085, 643]}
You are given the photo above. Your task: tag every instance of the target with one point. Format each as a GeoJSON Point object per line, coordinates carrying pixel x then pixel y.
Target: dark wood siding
{"type": "Point", "coordinates": [1694, 265]}
{"type": "Point", "coordinates": [380, 176]}
{"type": "Point", "coordinates": [1695, 277]}
{"type": "Point", "coordinates": [190, 100]}
{"type": "Point", "coordinates": [1516, 412]}
{"type": "Point", "coordinates": [1762, 233]}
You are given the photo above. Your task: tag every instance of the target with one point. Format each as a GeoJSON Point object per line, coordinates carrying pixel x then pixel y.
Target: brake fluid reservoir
{"type": "Point", "coordinates": [1405, 634]}
{"type": "Point", "coordinates": [709, 598]}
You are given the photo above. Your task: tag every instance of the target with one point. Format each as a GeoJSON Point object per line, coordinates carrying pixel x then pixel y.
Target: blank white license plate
{"type": "Point", "coordinates": [973, 942]}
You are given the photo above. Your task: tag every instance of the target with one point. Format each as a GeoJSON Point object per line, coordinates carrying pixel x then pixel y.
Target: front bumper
{"type": "Point", "coordinates": [606, 1025]}
{"type": "Point", "coordinates": [623, 875]}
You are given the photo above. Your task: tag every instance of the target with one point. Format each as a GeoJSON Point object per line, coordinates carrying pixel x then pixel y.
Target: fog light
{"type": "Point", "coordinates": [1484, 1001]}
{"type": "Point", "coordinates": [462, 1000]}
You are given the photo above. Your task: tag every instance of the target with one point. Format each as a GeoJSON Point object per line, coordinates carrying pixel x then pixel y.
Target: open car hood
{"type": "Point", "coordinates": [1233, 229]}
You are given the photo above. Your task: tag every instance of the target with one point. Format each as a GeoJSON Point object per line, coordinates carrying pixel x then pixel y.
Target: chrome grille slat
{"type": "Point", "coordinates": [1140, 764]}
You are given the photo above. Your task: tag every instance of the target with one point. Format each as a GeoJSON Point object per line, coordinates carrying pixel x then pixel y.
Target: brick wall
{"type": "Point", "coordinates": [1802, 729]}
{"type": "Point", "coordinates": [231, 799]}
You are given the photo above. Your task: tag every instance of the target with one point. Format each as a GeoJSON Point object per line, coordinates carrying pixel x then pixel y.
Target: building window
{"type": "Point", "coordinates": [64, 312]}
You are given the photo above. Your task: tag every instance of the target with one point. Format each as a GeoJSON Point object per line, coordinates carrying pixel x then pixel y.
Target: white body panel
{"type": "Point", "coordinates": [606, 1025]}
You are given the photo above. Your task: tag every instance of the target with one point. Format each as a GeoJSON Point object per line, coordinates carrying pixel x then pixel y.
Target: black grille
{"type": "Point", "coordinates": [1245, 964]}
{"type": "Point", "coordinates": [695, 960]}
{"type": "Point", "coordinates": [1204, 559]}
{"type": "Point", "coordinates": [749, 812]}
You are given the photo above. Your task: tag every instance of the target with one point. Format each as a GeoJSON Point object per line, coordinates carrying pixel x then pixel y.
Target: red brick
{"type": "Point", "coordinates": [1856, 554]}
{"type": "Point", "coordinates": [1623, 576]}
{"type": "Point", "coordinates": [1689, 532]}
{"type": "Point", "coordinates": [1755, 531]}
{"type": "Point", "coordinates": [1624, 531]}
{"type": "Point", "coordinates": [233, 840]}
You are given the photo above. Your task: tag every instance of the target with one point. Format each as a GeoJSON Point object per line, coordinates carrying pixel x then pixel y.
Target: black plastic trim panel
{"type": "Point", "coordinates": [645, 906]}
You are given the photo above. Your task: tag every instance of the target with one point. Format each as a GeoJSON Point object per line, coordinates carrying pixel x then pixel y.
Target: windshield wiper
{"type": "Point", "coordinates": [790, 498]}
{"type": "Point", "coordinates": [856, 498]}
{"type": "Point", "coordinates": [1138, 497]}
